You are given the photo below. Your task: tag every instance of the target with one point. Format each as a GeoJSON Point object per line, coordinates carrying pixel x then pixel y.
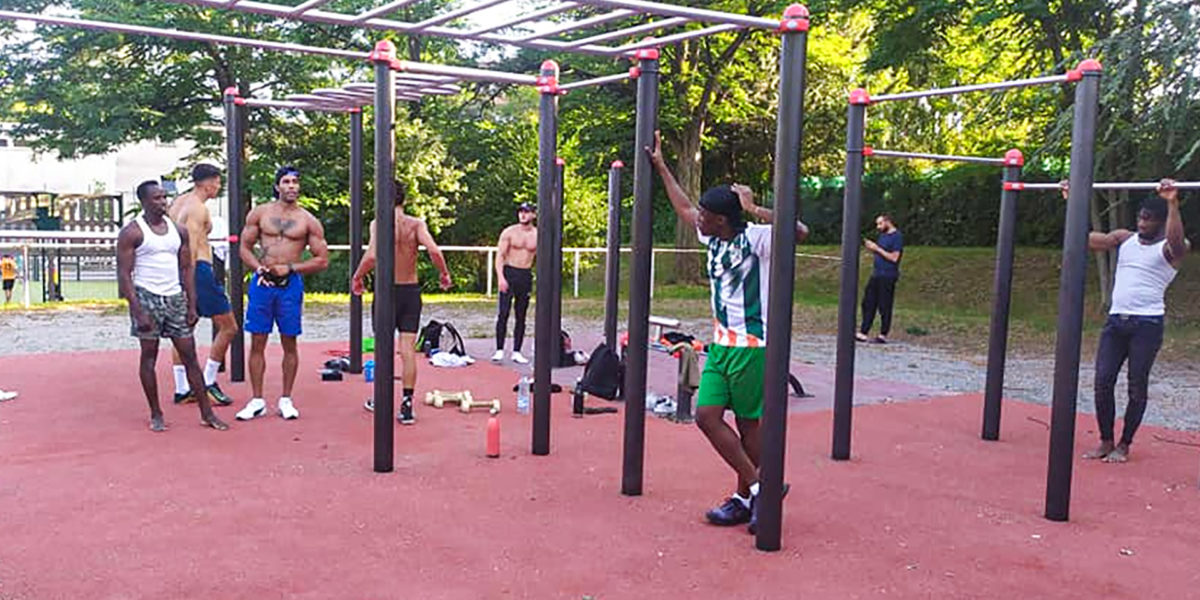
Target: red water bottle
{"type": "Point", "coordinates": [493, 437]}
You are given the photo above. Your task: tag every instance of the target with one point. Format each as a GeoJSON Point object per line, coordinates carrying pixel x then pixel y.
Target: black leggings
{"type": "Point", "coordinates": [1138, 340]}
{"type": "Point", "coordinates": [880, 295]}
{"type": "Point", "coordinates": [520, 285]}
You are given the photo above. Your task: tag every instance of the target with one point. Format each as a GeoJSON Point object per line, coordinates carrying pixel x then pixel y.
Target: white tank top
{"type": "Point", "coordinates": [1143, 275]}
{"type": "Point", "coordinates": [156, 262]}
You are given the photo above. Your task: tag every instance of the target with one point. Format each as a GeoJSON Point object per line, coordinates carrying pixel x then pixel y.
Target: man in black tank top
{"type": "Point", "coordinates": [1146, 265]}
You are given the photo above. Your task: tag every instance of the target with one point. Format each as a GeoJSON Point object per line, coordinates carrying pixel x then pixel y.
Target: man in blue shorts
{"type": "Point", "coordinates": [738, 266]}
{"type": "Point", "coordinates": [189, 212]}
{"type": "Point", "coordinates": [283, 229]}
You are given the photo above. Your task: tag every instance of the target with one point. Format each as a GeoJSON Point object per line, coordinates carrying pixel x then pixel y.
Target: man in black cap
{"type": "Point", "coordinates": [739, 259]}
{"type": "Point", "coordinates": [283, 230]}
{"type": "Point", "coordinates": [514, 272]}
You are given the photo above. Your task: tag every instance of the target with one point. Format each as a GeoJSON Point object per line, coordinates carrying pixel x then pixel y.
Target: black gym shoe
{"type": "Point", "coordinates": [753, 526]}
{"type": "Point", "coordinates": [405, 416]}
{"type": "Point", "coordinates": [369, 405]}
{"type": "Point", "coordinates": [732, 512]}
{"type": "Point", "coordinates": [218, 396]}
{"type": "Point", "coordinates": [185, 398]}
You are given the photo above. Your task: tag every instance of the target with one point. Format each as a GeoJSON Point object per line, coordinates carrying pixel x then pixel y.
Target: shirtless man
{"type": "Point", "coordinates": [514, 263]}
{"type": "Point", "coordinates": [154, 274]}
{"type": "Point", "coordinates": [276, 293]}
{"type": "Point", "coordinates": [189, 212]}
{"type": "Point", "coordinates": [406, 295]}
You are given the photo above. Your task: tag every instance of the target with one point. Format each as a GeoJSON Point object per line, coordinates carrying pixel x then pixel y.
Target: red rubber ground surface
{"type": "Point", "coordinates": [96, 506]}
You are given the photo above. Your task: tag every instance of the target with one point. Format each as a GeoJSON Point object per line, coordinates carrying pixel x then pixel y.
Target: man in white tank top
{"type": "Point", "coordinates": [1146, 264]}
{"type": "Point", "coordinates": [154, 274]}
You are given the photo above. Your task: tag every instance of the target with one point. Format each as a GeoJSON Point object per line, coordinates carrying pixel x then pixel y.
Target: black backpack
{"type": "Point", "coordinates": [437, 335]}
{"type": "Point", "coordinates": [604, 374]}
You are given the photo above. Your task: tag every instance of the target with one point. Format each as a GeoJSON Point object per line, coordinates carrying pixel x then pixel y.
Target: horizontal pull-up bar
{"type": "Point", "coordinates": [8, 15]}
{"type": "Point", "coordinates": [1114, 185]}
{"type": "Point", "coordinates": [401, 65]}
{"type": "Point", "coordinates": [295, 105]}
{"type": "Point", "coordinates": [869, 151]}
{"type": "Point", "coordinates": [698, 14]}
{"type": "Point", "coordinates": [980, 87]}
{"type": "Point", "coordinates": [595, 81]}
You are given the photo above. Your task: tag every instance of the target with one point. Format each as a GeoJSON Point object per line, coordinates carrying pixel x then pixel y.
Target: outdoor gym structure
{"type": "Point", "coordinates": [1071, 287]}
{"type": "Point", "coordinates": [656, 18]}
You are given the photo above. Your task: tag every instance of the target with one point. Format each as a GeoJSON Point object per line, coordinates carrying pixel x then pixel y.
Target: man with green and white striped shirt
{"type": "Point", "coordinates": [738, 267]}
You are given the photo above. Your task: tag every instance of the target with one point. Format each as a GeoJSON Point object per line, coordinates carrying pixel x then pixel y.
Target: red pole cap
{"type": "Point", "coordinates": [354, 110]}
{"type": "Point", "coordinates": [868, 151]}
{"type": "Point", "coordinates": [547, 81]}
{"type": "Point", "coordinates": [646, 53]}
{"type": "Point", "coordinates": [231, 91]}
{"type": "Point", "coordinates": [634, 72]}
{"type": "Point", "coordinates": [233, 238]}
{"type": "Point", "coordinates": [1013, 186]}
{"type": "Point", "coordinates": [860, 96]}
{"type": "Point", "coordinates": [1074, 75]}
{"type": "Point", "coordinates": [618, 164]}
{"type": "Point", "coordinates": [1014, 158]}
{"type": "Point", "coordinates": [239, 101]}
{"type": "Point", "coordinates": [795, 19]}
{"type": "Point", "coordinates": [1090, 65]}
{"type": "Point", "coordinates": [384, 50]}
{"type": "Point", "coordinates": [560, 162]}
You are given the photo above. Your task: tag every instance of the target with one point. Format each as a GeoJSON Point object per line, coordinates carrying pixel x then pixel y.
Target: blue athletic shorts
{"type": "Point", "coordinates": [269, 306]}
{"type": "Point", "coordinates": [210, 293]}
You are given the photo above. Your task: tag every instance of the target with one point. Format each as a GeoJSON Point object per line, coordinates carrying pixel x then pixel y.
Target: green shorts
{"type": "Point", "coordinates": [733, 378]}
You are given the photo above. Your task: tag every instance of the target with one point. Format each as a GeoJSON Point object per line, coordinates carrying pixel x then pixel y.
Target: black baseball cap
{"type": "Point", "coordinates": [526, 207]}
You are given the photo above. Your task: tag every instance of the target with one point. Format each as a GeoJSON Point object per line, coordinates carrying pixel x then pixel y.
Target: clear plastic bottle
{"type": "Point", "coordinates": [523, 395]}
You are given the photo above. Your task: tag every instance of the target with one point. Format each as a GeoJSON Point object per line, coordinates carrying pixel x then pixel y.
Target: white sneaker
{"type": "Point", "coordinates": [256, 407]}
{"type": "Point", "coordinates": [7, 395]}
{"type": "Point", "coordinates": [287, 410]}
{"type": "Point", "coordinates": [498, 356]}
{"type": "Point", "coordinates": [519, 359]}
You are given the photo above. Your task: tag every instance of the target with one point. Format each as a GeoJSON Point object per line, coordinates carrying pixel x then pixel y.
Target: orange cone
{"type": "Point", "coordinates": [493, 437]}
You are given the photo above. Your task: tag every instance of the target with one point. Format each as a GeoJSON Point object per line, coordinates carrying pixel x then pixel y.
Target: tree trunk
{"type": "Point", "coordinates": [688, 267]}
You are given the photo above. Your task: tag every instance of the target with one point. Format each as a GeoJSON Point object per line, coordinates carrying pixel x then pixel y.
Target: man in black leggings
{"type": "Point", "coordinates": [514, 270]}
{"type": "Point", "coordinates": [880, 294]}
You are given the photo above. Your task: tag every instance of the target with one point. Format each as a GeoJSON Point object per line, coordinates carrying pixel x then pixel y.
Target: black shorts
{"type": "Point", "coordinates": [520, 281]}
{"type": "Point", "coordinates": [406, 298]}
{"type": "Point", "coordinates": [9, 283]}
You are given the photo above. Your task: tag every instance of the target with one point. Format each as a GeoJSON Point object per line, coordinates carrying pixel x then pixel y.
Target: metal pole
{"type": "Point", "coordinates": [640, 283]}
{"type": "Point", "coordinates": [843, 386]}
{"type": "Point", "coordinates": [981, 87]}
{"type": "Point", "coordinates": [543, 341]}
{"type": "Point", "coordinates": [384, 315]}
{"type": "Point", "coordinates": [577, 253]}
{"type": "Point", "coordinates": [1001, 299]}
{"type": "Point", "coordinates": [491, 270]}
{"type": "Point", "coordinates": [25, 267]}
{"type": "Point", "coordinates": [356, 235]}
{"type": "Point", "coordinates": [233, 155]}
{"type": "Point", "coordinates": [653, 259]}
{"type": "Point", "coordinates": [983, 160]}
{"type": "Point", "coordinates": [1070, 296]}
{"type": "Point", "coordinates": [556, 255]}
{"type": "Point", "coordinates": [788, 137]}
{"type": "Point", "coordinates": [612, 260]}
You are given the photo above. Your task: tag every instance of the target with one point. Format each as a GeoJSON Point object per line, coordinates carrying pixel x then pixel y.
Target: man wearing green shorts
{"type": "Point", "coordinates": [738, 263]}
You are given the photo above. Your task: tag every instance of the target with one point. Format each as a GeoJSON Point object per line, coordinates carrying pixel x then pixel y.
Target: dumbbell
{"type": "Point", "coordinates": [493, 405]}
{"type": "Point", "coordinates": [438, 398]}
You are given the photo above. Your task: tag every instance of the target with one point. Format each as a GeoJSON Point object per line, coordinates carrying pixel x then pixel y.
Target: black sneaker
{"type": "Point", "coordinates": [218, 396]}
{"type": "Point", "coordinates": [753, 526]}
{"type": "Point", "coordinates": [185, 398]}
{"type": "Point", "coordinates": [369, 405]}
{"type": "Point", "coordinates": [405, 416]}
{"type": "Point", "coordinates": [732, 512]}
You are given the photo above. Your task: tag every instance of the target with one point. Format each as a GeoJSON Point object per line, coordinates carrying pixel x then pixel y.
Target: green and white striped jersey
{"type": "Point", "coordinates": [738, 274]}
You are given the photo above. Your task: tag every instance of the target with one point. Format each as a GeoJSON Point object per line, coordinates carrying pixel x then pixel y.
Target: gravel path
{"type": "Point", "coordinates": [1174, 390]}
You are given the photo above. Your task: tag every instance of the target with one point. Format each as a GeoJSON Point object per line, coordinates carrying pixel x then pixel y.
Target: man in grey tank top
{"type": "Point", "coordinates": [1146, 264]}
